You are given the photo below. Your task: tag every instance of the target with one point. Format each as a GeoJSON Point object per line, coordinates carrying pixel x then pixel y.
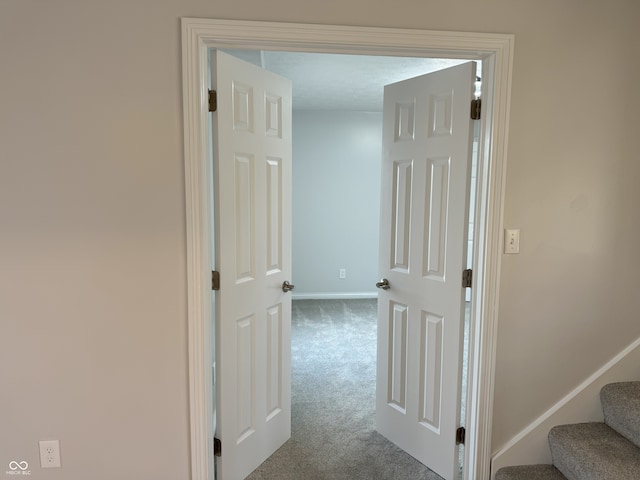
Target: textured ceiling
{"type": "Point", "coordinates": [341, 82]}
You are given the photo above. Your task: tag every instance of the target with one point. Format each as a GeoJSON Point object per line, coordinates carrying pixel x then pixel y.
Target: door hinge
{"type": "Point", "coordinates": [217, 447]}
{"type": "Point", "coordinates": [467, 278]}
{"type": "Point", "coordinates": [476, 108]}
{"type": "Point", "coordinates": [460, 433]}
{"type": "Point", "coordinates": [213, 101]}
{"type": "Point", "coordinates": [215, 280]}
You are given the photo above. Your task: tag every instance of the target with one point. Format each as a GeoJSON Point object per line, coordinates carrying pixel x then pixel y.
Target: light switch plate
{"type": "Point", "coordinates": [512, 241]}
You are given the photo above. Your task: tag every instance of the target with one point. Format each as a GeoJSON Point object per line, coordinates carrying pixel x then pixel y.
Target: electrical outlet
{"type": "Point", "coordinates": [343, 273]}
{"type": "Point", "coordinates": [50, 454]}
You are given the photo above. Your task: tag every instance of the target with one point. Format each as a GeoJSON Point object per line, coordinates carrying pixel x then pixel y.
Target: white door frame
{"type": "Point", "coordinates": [496, 53]}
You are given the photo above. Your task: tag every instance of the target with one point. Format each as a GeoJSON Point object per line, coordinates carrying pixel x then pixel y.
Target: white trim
{"type": "Point", "coordinates": [334, 296]}
{"type": "Point", "coordinates": [582, 404]}
{"type": "Point", "coordinates": [199, 262]}
{"type": "Point", "coordinates": [496, 51]}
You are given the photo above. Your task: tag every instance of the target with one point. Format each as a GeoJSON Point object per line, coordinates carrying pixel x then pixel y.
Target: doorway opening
{"type": "Point", "coordinates": [327, 146]}
{"type": "Point", "coordinates": [495, 50]}
{"type": "Point", "coordinates": [337, 149]}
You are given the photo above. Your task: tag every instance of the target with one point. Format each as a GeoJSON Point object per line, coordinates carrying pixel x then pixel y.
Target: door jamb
{"type": "Point", "coordinates": [496, 52]}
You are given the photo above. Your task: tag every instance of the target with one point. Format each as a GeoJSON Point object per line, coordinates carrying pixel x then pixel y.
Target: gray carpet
{"type": "Point", "coordinates": [596, 450]}
{"type": "Point", "coordinates": [333, 400]}
{"type": "Point", "coordinates": [593, 451]}
{"type": "Point", "coordinates": [621, 408]}
{"type": "Point", "coordinates": [530, 472]}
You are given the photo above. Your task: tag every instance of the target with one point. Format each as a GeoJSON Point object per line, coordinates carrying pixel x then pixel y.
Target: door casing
{"type": "Point", "coordinates": [496, 53]}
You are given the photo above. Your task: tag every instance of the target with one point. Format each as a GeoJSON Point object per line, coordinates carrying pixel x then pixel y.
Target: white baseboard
{"type": "Point", "coordinates": [530, 446]}
{"type": "Point", "coordinates": [334, 296]}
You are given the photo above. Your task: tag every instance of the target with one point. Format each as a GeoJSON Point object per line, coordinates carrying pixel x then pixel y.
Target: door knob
{"type": "Point", "coordinates": [383, 284]}
{"type": "Point", "coordinates": [287, 287]}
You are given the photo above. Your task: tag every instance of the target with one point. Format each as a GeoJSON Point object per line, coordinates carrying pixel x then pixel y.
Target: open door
{"type": "Point", "coordinates": [252, 204]}
{"type": "Point", "coordinates": [427, 146]}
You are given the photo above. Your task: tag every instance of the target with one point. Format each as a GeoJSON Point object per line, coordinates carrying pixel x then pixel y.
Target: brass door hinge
{"type": "Point", "coordinates": [215, 280]}
{"type": "Point", "coordinates": [476, 109]}
{"type": "Point", "coordinates": [213, 101]}
{"type": "Point", "coordinates": [467, 278]}
{"type": "Point", "coordinates": [460, 434]}
{"type": "Point", "coordinates": [217, 447]}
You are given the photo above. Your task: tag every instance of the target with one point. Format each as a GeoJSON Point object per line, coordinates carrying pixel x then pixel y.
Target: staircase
{"type": "Point", "coordinates": [593, 451]}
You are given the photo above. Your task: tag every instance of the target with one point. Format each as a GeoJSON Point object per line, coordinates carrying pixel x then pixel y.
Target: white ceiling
{"type": "Point", "coordinates": [341, 82]}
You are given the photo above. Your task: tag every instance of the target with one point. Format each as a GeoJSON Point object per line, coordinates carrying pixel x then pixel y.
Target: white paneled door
{"type": "Point", "coordinates": [427, 140]}
{"type": "Point", "coordinates": [252, 195]}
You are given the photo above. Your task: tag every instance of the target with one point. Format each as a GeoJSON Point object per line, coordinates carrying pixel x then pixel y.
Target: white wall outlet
{"type": "Point", "coordinates": [50, 454]}
{"type": "Point", "coordinates": [343, 273]}
{"type": "Point", "coordinates": [512, 241]}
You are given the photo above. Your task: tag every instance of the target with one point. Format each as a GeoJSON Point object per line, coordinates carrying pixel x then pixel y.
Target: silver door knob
{"type": "Point", "coordinates": [383, 284]}
{"type": "Point", "coordinates": [287, 287]}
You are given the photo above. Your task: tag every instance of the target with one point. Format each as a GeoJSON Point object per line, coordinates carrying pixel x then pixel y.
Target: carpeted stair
{"type": "Point", "coordinates": [593, 451]}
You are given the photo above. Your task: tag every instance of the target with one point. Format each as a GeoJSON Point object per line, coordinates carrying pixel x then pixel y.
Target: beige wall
{"type": "Point", "coordinates": [92, 222]}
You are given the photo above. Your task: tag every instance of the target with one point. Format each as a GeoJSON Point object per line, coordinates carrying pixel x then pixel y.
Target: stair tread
{"type": "Point", "coordinates": [529, 472]}
{"type": "Point", "coordinates": [621, 408]}
{"type": "Point", "coordinates": [593, 451]}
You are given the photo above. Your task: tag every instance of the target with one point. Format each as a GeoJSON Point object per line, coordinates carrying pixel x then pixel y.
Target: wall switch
{"type": "Point", "coordinates": [343, 273]}
{"type": "Point", "coordinates": [49, 454]}
{"type": "Point", "coordinates": [512, 241]}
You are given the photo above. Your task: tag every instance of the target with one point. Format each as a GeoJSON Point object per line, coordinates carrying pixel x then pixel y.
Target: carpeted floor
{"type": "Point", "coordinates": [333, 400]}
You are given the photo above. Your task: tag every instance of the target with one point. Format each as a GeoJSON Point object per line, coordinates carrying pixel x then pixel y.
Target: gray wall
{"type": "Point", "coordinates": [336, 198]}
{"type": "Point", "coordinates": [93, 312]}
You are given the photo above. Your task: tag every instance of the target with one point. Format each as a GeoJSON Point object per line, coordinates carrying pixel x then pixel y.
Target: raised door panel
{"type": "Point", "coordinates": [430, 388]}
{"type": "Point", "coordinates": [397, 381]}
{"type": "Point", "coordinates": [401, 215]}
{"type": "Point", "coordinates": [246, 376]}
{"type": "Point", "coordinates": [274, 214]}
{"type": "Point", "coordinates": [437, 201]}
{"type": "Point", "coordinates": [245, 217]}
